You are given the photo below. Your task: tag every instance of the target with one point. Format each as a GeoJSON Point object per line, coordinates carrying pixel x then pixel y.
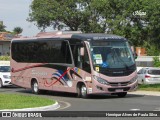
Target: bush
{"type": "Point", "coordinates": [156, 61]}
{"type": "Point", "coordinates": [5, 58]}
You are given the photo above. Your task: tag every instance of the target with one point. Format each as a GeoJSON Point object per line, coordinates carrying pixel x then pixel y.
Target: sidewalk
{"type": "Point", "coordinates": [140, 92]}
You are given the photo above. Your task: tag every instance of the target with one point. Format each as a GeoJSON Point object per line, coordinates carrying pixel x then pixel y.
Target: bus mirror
{"type": "Point", "coordinates": [133, 51]}
{"type": "Point", "coordinates": [132, 48]}
{"type": "Point", "coordinates": [82, 51]}
{"type": "Point", "coordinates": [135, 55]}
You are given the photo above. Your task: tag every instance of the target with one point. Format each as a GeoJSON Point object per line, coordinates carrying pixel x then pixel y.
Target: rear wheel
{"type": "Point", "coordinates": [123, 94]}
{"type": "Point", "coordinates": [35, 88]}
{"type": "Point", "coordinates": [1, 84]}
{"type": "Point", "coordinates": [143, 82]}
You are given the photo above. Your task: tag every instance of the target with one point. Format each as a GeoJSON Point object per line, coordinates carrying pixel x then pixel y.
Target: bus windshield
{"type": "Point", "coordinates": [111, 54]}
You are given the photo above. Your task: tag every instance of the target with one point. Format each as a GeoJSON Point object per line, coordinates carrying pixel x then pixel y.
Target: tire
{"type": "Point", "coordinates": [123, 94]}
{"type": "Point", "coordinates": [83, 91]}
{"type": "Point", "coordinates": [143, 82]}
{"type": "Point", "coordinates": [35, 88]}
{"type": "Point", "coordinates": [1, 84]}
{"type": "Point", "coordinates": [78, 92]}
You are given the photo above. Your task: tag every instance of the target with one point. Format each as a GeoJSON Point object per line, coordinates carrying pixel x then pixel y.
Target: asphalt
{"type": "Point", "coordinates": [150, 93]}
{"type": "Point", "coordinates": [57, 105]}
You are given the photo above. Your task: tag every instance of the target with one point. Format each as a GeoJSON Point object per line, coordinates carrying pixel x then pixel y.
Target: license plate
{"type": "Point", "coordinates": [156, 79]}
{"type": "Point", "coordinates": [119, 90]}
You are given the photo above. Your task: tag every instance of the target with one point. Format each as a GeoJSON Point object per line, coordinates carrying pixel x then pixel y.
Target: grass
{"type": "Point", "coordinates": [17, 101]}
{"type": "Point", "coordinates": [151, 87]}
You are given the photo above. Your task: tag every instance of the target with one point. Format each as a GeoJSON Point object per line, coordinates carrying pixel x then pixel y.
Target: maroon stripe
{"type": "Point", "coordinates": [32, 66]}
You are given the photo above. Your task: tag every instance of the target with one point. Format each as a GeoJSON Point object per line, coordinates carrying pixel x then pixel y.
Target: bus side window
{"type": "Point", "coordinates": [66, 52]}
{"type": "Point", "coordinates": [81, 62]}
{"type": "Point", "coordinates": [74, 49]}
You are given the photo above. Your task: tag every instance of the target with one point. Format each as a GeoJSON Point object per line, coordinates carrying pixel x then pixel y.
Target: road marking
{"type": "Point", "coordinates": [157, 109]}
{"type": "Point", "coordinates": [135, 109]}
{"type": "Point", "coordinates": [66, 105]}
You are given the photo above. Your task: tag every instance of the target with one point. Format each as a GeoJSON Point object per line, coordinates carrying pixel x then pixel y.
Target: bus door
{"type": "Point", "coordinates": [82, 70]}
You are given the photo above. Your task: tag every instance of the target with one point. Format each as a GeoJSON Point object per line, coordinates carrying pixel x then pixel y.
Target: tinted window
{"type": "Point", "coordinates": [43, 51]}
{"type": "Point", "coordinates": [154, 72]}
{"type": "Point", "coordinates": [140, 71]}
{"type": "Point", "coordinates": [4, 68]}
{"type": "Point", "coordinates": [81, 61]}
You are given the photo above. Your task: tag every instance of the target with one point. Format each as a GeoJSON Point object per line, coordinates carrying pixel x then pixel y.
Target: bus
{"type": "Point", "coordinates": [82, 63]}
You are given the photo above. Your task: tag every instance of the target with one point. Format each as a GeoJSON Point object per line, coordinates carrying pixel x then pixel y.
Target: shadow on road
{"type": "Point", "coordinates": [63, 94]}
{"type": "Point", "coordinates": [73, 95]}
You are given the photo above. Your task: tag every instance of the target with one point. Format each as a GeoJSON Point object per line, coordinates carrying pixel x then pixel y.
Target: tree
{"type": "Point", "coordinates": [137, 20]}
{"type": "Point", "coordinates": [2, 28]}
{"type": "Point", "coordinates": [17, 30]}
{"type": "Point", "coordinates": [156, 61]}
{"type": "Point", "coordinates": [77, 15]}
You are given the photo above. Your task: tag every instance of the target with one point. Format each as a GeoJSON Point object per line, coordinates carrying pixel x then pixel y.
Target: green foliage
{"type": "Point", "coordinates": [17, 30]}
{"type": "Point", "coordinates": [2, 28]}
{"type": "Point", "coordinates": [156, 61]}
{"type": "Point", "coordinates": [17, 101]}
{"type": "Point", "coordinates": [152, 50]}
{"type": "Point", "coordinates": [76, 15]}
{"type": "Point", "coordinates": [137, 20]}
{"type": "Point", "coordinates": [7, 58]}
{"type": "Point", "coordinates": [150, 87]}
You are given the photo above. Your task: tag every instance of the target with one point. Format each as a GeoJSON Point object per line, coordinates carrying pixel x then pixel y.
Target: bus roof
{"type": "Point", "coordinates": [72, 34]}
{"type": "Point", "coordinates": [95, 36]}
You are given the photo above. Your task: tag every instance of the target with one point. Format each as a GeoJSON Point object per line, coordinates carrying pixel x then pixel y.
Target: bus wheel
{"type": "Point", "coordinates": [35, 88]}
{"type": "Point", "coordinates": [83, 91]}
{"type": "Point", "coordinates": [123, 94]}
{"type": "Point", "coordinates": [1, 84]}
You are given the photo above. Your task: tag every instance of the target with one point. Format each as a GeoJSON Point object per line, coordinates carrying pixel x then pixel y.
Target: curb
{"type": "Point", "coordinates": [150, 93]}
{"type": "Point", "coordinates": [44, 108]}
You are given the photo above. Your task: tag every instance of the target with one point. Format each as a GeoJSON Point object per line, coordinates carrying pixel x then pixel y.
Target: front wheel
{"type": "Point", "coordinates": [123, 94]}
{"type": "Point", "coordinates": [1, 84]}
{"type": "Point", "coordinates": [82, 91]}
{"type": "Point", "coordinates": [35, 88]}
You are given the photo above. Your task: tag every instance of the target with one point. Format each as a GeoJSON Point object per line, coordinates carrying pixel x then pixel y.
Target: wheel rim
{"type": "Point", "coordinates": [83, 90]}
{"type": "Point", "coordinates": [35, 87]}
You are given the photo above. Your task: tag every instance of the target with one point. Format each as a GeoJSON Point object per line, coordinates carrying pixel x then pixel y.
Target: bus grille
{"type": "Point", "coordinates": [119, 84]}
{"type": "Point", "coordinates": [114, 89]}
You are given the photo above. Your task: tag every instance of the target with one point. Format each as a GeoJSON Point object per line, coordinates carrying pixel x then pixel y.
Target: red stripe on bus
{"type": "Point", "coordinates": [26, 67]}
{"type": "Point", "coordinates": [52, 83]}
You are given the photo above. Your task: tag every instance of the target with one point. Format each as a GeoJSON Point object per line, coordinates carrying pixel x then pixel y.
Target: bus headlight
{"type": "Point", "coordinates": [100, 80]}
{"type": "Point", "coordinates": [6, 76]}
{"type": "Point", "coordinates": [133, 80]}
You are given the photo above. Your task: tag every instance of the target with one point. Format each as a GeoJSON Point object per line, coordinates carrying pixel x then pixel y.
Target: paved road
{"type": "Point", "coordinates": [69, 102]}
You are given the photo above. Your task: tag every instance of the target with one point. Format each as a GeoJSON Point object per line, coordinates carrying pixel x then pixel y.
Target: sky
{"type": "Point", "coordinates": [14, 13]}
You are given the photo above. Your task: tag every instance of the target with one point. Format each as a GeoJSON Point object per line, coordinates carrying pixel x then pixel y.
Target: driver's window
{"type": "Point", "coordinates": [85, 61]}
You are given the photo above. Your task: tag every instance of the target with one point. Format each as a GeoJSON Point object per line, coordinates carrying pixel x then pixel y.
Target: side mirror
{"type": "Point", "coordinates": [132, 48]}
{"type": "Point", "coordinates": [135, 55]}
{"type": "Point", "coordinates": [82, 51]}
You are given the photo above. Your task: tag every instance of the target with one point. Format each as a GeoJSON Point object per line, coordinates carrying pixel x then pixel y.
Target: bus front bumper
{"type": "Point", "coordinates": [105, 89]}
